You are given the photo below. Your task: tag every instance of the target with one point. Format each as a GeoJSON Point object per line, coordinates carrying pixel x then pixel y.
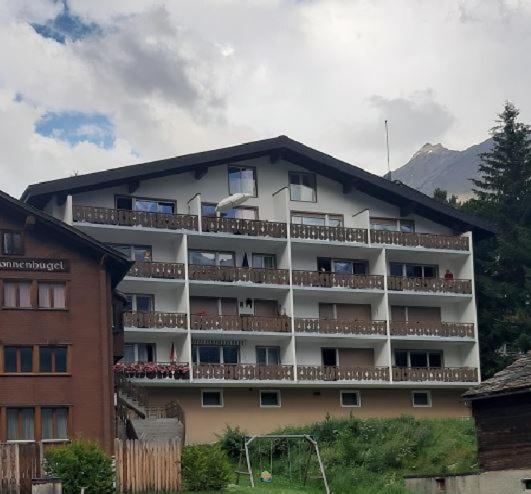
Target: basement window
{"type": "Point", "coordinates": [526, 484]}
{"type": "Point", "coordinates": [212, 398]}
{"type": "Point", "coordinates": [421, 398]}
{"type": "Point", "coordinates": [269, 399]}
{"type": "Point", "coordinates": [350, 399]}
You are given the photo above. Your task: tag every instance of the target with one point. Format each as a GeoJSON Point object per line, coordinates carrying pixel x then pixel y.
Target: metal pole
{"type": "Point", "coordinates": [387, 141]}
{"type": "Point", "coordinates": [314, 442]}
{"type": "Point", "coordinates": [247, 442]}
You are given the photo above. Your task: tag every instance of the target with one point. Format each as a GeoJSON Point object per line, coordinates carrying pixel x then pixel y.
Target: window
{"type": "Point", "coordinates": [52, 295]}
{"type": "Point", "coordinates": [17, 294]}
{"type": "Point", "coordinates": [240, 212]}
{"type": "Point", "coordinates": [20, 424]}
{"type": "Point", "coordinates": [140, 302]}
{"type": "Point", "coordinates": [418, 358]}
{"type": "Point", "coordinates": [526, 484]}
{"type": "Point", "coordinates": [52, 359]}
{"type": "Point", "coordinates": [316, 219]}
{"type": "Point", "coordinates": [137, 253]}
{"type": "Point", "coordinates": [242, 179]}
{"type": "Point", "coordinates": [393, 225]}
{"type": "Point", "coordinates": [346, 266]}
{"type": "Point", "coordinates": [18, 359]}
{"type": "Point", "coordinates": [139, 352]}
{"type": "Point", "coordinates": [215, 354]}
{"type": "Point", "coordinates": [54, 423]}
{"type": "Point", "coordinates": [267, 261]}
{"type": "Point", "coordinates": [421, 398]}
{"type": "Point", "coordinates": [413, 270]}
{"type": "Point", "coordinates": [11, 243]}
{"type": "Point", "coordinates": [208, 258]}
{"type": "Point", "coordinates": [269, 399]}
{"type": "Point", "coordinates": [302, 187]}
{"type": "Point", "coordinates": [211, 398]}
{"type": "Point", "coordinates": [350, 398]}
{"type": "Point", "coordinates": [147, 205]}
{"type": "Point", "coordinates": [268, 355]}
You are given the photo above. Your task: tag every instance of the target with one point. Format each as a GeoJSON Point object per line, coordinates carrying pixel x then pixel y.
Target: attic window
{"type": "Point", "coordinates": [302, 187]}
{"type": "Point", "coordinates": [11, 243]}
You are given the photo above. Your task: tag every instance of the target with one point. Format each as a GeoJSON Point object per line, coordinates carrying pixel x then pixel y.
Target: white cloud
{"type": "Point", "coordinates": [177, 77]}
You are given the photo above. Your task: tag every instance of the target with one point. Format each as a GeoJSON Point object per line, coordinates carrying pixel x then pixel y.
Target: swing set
{"type": "Point", "coordinates": [282, 438]}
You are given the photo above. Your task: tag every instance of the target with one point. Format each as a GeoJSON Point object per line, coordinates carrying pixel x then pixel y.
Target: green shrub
{"type": "Point", "coordinates": [205, 467]}
{"type": "Point", "coordinates": [232, 441]}
{"type": "Point", "coordinates": [80, 464]}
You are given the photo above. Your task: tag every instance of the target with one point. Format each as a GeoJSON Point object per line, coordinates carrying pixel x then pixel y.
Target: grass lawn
{"type": "Point", "coordinates": [263, 489]}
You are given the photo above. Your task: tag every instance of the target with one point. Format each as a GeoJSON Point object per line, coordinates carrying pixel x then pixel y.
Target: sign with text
{"type": "Point", "coordinates": [48, 265]}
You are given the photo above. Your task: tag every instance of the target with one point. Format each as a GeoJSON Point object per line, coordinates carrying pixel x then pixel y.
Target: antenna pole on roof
{"type": "Point", "coordinates": [387, 141]}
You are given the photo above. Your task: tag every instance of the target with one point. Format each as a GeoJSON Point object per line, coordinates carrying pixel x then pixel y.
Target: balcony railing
{"type": "Point", "coordinates": [137, 319]}
{"type": "Point", "coordinates": [244, 372]}
{"type": "Point", "coordinates": [443, 374]}
{"type": "Point", "coordinates": [333, 233]}
{"type": "Point", "coordinates": [446, 329]}
{"type": "Point", "coordinates": [339, 280]}
{"type": "Point", "coordinates": [153, 370]}
{"type": "Point", "coordinates": [171, 270]}
{"type": "Point", "coordinates": [124, 217]}
{"type": "Point", "coordinates": [432, 285]}
{"type": "Point", "coordinates": [320, 373]}
{"type": "Point", "coordinates": [427, 240]}
{"type": "Point", "coordinates": [339, 326]}
{"type": "Point", "coordinates": [277, 324]}
{"type": "Point", "coordinates": [240, 226]}
{"type": "Point", "coordinates": [230, 274]}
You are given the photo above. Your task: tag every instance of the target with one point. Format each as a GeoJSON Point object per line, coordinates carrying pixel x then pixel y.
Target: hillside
{"type": "Point", "coordinates": [435, 166]}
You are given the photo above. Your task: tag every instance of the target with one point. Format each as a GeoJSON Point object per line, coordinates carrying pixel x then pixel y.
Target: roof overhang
{"type": "Point", "coordinates": [282, 147]}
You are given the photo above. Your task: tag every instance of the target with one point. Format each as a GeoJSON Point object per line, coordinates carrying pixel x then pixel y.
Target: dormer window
{"type": "Point", "coordinates": [302, 187]}
{"type": "Point", "coordinates": [242, 179]}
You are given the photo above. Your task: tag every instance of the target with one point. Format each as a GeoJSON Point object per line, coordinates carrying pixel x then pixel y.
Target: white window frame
{"type": "Point", "coordinates": [216, 390]}
{"type": "Point", "coordinates": [397, 221]}
{"type": "Point", "coordinates": [325, 216]}
{"type": "Point", "coordinates": [405, 264]}
{"type": "Point", "coordinates": [419, 350]}
{"type": "Point", "coordinates": [277, 391]}
{"type": "Point", "coordinates": [350, 391]}
{"type": "Point", "coordinates": [429, 405]}
{"type": "Point", "coordinates": [135, 344]}
{"type": "Point", "coordinates": [216, 253]}
{"type": "Point", "coordinates": [134, 296]}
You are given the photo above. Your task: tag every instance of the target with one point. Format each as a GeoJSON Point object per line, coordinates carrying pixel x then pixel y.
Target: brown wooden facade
{"type": "Point", "coordinates": [56, 344]}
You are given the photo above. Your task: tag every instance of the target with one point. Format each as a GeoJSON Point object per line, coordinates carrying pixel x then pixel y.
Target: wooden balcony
{"type": "Point", "coordinates": [153, 370]}
{"type": "Point", "coordinates": [230, 274]}
{"type": "Point", "coordinates": [443, 374]}
{"type": "Point", "coordinates": [339, 326]}
{"type": "Point", "coordinates": [320, 373]}
{"type": "Point", "coordinates": [329, 233]}
{"type": "Point", "coordinates": [432, 285]}
{"type": "Point", "coordinates": [169, 270]}
{"type": "Point", "coordinates": [136, 319]}
{"type": "Point", "coordinates": [244, 372]}
{"type": "Point", "coordinates": [240, 226]}
{"type": "Point", "coordinates": [279, 324]}
{"type": "Point", "coordinates": [124, 217]}
{"type": "Point", "coordinates": [338, 280]}
{"type": "Point", "coordinates": [443, 329]}
{"type": "Point", "coordinates": [426, 240]}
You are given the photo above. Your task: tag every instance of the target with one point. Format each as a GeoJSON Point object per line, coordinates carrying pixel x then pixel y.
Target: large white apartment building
{"type": "Point", "coordinates": [329, 291]}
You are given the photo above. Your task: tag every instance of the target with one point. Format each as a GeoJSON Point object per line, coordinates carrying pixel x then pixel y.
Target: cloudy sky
{"type": "Point", "coordinates": [89, 85]}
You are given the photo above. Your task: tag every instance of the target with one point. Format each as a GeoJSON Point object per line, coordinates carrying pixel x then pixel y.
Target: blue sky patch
{"type": "Point", "coordinates": [66, 26]}
{"type": "Point", "coordinates": [76, 127]}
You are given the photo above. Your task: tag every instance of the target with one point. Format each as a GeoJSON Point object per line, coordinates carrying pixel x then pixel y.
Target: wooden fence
{"type": "Point", "coordinates": [19, 463]}
{"type": "Point", "coordinates": [147, 466]}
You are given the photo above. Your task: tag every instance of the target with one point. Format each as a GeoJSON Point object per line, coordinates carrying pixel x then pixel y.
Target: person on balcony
{"type": "Point", "coordinates": [448, 275]}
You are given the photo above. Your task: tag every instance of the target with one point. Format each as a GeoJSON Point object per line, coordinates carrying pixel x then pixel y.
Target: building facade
{"type": "Point", "coordinates": [327, 291]}
{"type": "Point", "coordinates": [56, 288]}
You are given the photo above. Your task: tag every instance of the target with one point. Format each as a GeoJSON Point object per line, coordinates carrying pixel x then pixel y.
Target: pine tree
{"type": "Point", "coordinates": [505, 171]}
{"type": "Point", "coordinates": [503, 263]}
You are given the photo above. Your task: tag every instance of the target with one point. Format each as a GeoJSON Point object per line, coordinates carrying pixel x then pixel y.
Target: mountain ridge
{"type": "Point", "coordinates": [435, 166]}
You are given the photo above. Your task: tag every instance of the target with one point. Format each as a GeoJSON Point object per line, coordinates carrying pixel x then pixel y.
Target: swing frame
{"type": "Point", "coordinates": [307, 437]}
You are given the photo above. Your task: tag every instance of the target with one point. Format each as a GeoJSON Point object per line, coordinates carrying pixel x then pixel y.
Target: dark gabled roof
{"type": "Point", "coordinates": [277, 147]}
{"type": "Point", "coordinates": [117, 264]}
{"type": "Point", "coordinates": [516, 378]}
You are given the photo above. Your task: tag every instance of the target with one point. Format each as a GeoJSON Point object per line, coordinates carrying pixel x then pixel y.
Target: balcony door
{"type": "Point", "coordinates": [415, 314]}
{"type": "Point", "coordinates": [345, 312]}
{"type": "Point", "coordinates": [343, 266]}
{"type": "Point", "coordinates": [356, 357]}
{"type": "Point", "coordinates": [413, 270]}
{"type": "Point", "coordinates": [329, 357]}
{"type": "Point", "coordinates": [265, 308]}
{"type": "Point", "coordinates": [213, 306]}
